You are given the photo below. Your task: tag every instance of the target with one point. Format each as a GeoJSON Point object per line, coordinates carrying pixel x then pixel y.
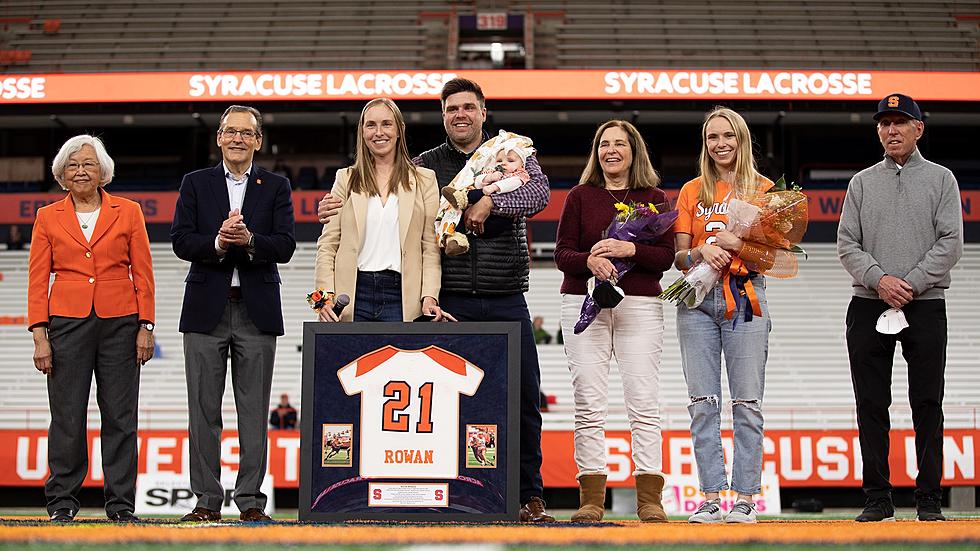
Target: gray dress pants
{"type": "Point", "coordinates": [206, 356]}
{"type": "Point", "coordinates": [81, 347]}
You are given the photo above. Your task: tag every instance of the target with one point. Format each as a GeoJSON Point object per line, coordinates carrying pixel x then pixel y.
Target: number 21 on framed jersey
{"type": "Point", "coordinates": [410, 410]}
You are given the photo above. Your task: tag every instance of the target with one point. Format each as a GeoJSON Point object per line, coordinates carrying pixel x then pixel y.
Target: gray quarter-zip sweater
{"type": "Point", "coordinates": [905, 222]}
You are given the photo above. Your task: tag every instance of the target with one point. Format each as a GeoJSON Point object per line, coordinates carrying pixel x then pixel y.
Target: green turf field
{"type": "Point", "coordinates": [471, 461]}
{"type": "Point", "coordinates": [340, 459]}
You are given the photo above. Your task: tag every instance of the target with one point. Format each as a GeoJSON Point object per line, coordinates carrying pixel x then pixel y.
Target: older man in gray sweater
{"type": "Point", "coordinates": [900, 234]}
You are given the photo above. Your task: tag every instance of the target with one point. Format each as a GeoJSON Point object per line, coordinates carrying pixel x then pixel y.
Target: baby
{"type": "Point", "coordinates": [497, 166]}
{"type": "Point", "coordinates": [506, 175]}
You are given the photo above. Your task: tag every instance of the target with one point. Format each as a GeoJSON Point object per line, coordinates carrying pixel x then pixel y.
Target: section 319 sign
{"type": "Point", "coordinates": [410, 421]}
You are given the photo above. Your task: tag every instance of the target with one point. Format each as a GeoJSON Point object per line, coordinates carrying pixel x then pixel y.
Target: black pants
{"type": "Point", "coordinates": [512, 308]}
{"type": "Point", "coordinates": [871, 354]}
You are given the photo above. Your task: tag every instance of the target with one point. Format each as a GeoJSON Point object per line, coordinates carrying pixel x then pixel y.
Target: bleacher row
{"type": "Point", "coordinates": [147, 35]}
{"type": "Point", "coordinates": [808, 382]}
{"type": "Point", "coordinates": [757, 34]}
{"type": "Point", "coordinates": [150, 35]}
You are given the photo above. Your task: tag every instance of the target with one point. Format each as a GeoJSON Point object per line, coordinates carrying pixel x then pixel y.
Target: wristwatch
{"type": "Point", "coordinates": [147, 325]}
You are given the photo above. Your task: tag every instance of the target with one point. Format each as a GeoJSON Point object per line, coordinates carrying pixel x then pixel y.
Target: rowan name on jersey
{"type": "Point", "coordinates": [409, 456]}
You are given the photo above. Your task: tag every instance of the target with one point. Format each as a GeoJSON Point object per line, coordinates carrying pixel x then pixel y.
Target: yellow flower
{"type": "Point", "coordinates": [653, 208]}
{"type": "Point", "coordinates": [623, 208]}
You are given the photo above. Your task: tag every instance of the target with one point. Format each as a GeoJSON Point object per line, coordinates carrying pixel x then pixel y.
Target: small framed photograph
{"type": "Point", "coordinates": [481, 446]}
{"type": "Point", "coordinates": [337, 443]}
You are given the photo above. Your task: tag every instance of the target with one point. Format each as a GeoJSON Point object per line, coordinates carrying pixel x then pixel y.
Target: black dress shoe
{"type": "Point", "coordinates": [201, 514]}
{"type": "Point", "coordinates": [255, 515]}
{"type": "Point", "coordinates": [63, 515]}
{"type": "Point", "coordinates": [123, 516]}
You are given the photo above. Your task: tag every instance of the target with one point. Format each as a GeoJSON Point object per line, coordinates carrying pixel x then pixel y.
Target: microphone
{"type": "Point", "coordinates": [340, 303]}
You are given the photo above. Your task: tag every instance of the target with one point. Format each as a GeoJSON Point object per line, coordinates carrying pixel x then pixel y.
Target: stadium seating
{"type": "Point", "coordinates": [853, 34]}
{"type": "Point", "coordinates": [301, 34]}
{"type": "Point", "coordinates": [141, 35]}
{"type": "Point", "coordinates": [808, 383]}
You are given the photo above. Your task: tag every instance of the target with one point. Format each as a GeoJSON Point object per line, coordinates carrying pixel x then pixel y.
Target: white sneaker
{"type": "Point", "coordinates": [709, 512]}
{"type": "Point", "coordinates": [742, 512]}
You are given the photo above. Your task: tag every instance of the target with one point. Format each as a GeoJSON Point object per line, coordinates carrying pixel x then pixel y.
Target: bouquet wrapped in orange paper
{"type": "Point", "coordinates": [771, 225]}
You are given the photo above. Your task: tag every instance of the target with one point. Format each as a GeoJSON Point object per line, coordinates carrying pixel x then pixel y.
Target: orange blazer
{"type": "Point", "coordinates": [88, 274]}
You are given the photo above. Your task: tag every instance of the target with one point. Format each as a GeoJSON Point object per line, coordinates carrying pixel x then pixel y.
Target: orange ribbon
{"type": "Point", "coordinates": [738, 268]}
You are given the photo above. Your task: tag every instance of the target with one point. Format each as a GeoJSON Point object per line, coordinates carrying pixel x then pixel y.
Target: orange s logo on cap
{"type": "Point", "coordinates": [892, 101]}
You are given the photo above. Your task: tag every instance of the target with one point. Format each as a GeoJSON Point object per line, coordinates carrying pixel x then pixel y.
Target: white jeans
{"type": "Point", "coordinates": [634, 332]}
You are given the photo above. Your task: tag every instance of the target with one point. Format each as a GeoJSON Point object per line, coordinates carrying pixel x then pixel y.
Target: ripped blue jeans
{"type": "Point", "coordinates": [705, 334]}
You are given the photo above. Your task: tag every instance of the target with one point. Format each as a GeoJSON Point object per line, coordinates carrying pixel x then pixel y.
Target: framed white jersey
{"type": "Point", "coordinates": [410, 410]}
{"type": "Point", "coordinates": [410, 421]}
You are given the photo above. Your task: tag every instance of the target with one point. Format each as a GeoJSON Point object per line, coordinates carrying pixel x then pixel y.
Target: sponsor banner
{"type": "Point", "coordinates": [497, 84]}
{"type": "Point", "coordinates": [824, 204]}
{"type": "Point", "coordinates": [803, 458]}
{"type": "Point", "coordinates": [800, 458]}
{"type": "Point", "coordinates": [24, 456]}
{"type": "Point", "coordinates": [170, 494]}
{"type": "Point", "coordinates": [158, 206]}
{"type": "Point", "coordinates": [682, 495]}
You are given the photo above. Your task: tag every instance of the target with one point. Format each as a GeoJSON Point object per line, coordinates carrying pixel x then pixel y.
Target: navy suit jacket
{"type": "Point", "coordinates": [201, 208]}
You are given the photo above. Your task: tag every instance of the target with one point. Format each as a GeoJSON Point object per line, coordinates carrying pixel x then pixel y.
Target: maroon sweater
{"type": "Point", "coordinates": [587, 213]}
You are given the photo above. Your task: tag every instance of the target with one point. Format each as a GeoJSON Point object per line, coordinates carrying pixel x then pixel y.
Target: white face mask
{"type": "Point", "coordinates": [891, 321]}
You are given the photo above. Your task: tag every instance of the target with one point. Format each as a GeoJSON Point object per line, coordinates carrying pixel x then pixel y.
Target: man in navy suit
{"type": "Point", "coordinates": [234, 223]}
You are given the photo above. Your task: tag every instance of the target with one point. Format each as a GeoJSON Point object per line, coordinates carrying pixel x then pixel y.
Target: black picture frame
{"type": "Point", "coordinates": [342, 342]}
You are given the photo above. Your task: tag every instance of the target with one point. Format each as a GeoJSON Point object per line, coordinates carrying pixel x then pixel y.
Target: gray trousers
{"type": "Point", "coordinates": [206, 355]}
{"type": "Point", "coordinates": [81, 347]}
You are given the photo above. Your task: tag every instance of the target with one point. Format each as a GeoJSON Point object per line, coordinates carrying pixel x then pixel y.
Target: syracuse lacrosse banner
{"type": "Point", "coordinates": [158, 206]}
{"type": "Point", "coordinates": [800, 458]}
{"type": "Point", "coordinates": [499, 85]}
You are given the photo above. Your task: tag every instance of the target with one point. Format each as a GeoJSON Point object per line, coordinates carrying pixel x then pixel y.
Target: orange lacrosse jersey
{"type": "Point", "coordinates": [704, 222]}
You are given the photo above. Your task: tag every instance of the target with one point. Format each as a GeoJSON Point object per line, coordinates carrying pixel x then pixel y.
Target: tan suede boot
{"type": "Point", "coordinates": [649, 493]}
{"type": "Point", "coordinates": [592, 498]}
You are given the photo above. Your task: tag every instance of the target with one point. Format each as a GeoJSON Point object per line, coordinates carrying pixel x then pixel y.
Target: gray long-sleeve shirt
{"type": "Point", "coordinates": [905, 222]}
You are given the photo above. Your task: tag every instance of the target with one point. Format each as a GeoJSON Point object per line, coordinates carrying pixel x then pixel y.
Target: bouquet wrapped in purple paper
{"type": "Point", "coordinates": [642, 223]}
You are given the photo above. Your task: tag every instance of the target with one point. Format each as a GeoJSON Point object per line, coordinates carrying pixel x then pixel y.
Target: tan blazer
{"type": "Point", "coordinates": [340, 243]}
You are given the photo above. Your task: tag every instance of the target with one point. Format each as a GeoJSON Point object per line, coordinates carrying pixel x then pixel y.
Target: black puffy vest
{"type": "Point", "coordinates": [494, 266]}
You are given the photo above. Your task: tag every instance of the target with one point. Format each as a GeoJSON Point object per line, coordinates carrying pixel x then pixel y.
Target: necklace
{"type": "Point", "coordinates": [614, 197]}
{"type": "Point", "coordinates": [87, 220]}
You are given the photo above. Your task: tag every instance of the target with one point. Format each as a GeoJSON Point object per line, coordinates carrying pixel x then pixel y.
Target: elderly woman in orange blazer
{"type": "Point", "coordinates": [381, 250]}
{"type": "Point", "coordinates": [96, 319]}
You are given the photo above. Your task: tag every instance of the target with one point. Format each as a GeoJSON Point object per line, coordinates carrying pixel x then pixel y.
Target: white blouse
{"type": "Point", "coordinates": [87, 220]}
{"type": "Point", "coordinates": [381, 249]}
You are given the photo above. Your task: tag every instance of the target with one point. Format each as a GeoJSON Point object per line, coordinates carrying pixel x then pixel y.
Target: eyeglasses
{"type": "Point", "coordinates": [87, 166]}
{"type": "Point", "coordinates": [229, 134]}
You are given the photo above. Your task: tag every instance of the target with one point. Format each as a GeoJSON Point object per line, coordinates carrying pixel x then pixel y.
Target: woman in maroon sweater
{"type": "Point", "coordinates": [618, 171]}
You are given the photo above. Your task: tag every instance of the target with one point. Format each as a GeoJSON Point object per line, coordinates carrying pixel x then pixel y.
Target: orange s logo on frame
{"type": "Point", "coordinates": [892, 101]}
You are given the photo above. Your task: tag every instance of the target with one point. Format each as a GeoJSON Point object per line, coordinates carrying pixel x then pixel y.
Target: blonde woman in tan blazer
{"type": "Point", "coordinates": [381, 250]}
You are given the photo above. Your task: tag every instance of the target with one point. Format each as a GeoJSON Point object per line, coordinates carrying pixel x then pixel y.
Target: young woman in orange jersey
{"type": "Point", "coordinates": [727, 171]}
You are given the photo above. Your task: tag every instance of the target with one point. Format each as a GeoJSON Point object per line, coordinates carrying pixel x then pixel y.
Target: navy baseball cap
{"type": "Point", "coordinates": [899, 103]}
